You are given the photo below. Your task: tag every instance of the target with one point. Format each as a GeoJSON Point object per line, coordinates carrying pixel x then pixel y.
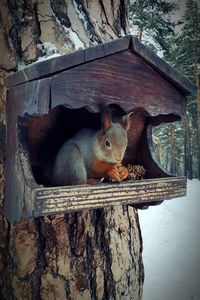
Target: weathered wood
{"type": "Point", "coordinates": [122, 78]}
{"type": "Point", "coordinates": [58, 64]}
{"type": "Point", "coordinates": [75, 198]}
{"type": "Point", "coordinates": [106, 49]}
{"type": "Point", "coordinates": [35, 130]}
{"type": "Point", "coordinates": [120, 73]}
{"type": "Point", "coordinates": [146, 156]}
{"type": "Point", "coordinates": [157, 120]}
{"type": "Point", "coordinates": [65, 62]}
{"type": "Point", "coordinates": [45, 68]}
{"type": "Point", "coordinates": [33, 94]}
{"type": "Point", "coordinates": [161, 66]}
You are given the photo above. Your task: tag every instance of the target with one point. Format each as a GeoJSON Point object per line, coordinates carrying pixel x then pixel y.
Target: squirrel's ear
{"type": "Point", "coordinates": [126, 122]}
{"type": "Point", "coordinates": [106, 118]}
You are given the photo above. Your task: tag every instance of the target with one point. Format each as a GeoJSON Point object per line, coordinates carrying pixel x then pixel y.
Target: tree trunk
{"type": "Point", "coordinates": [197, 69]}
{"type": "Point", "coordinates": [172, 150]}
{"type": "Point", "coordinates": [188, 150]}
{"type": "Point", "coordinates": [84, 255]}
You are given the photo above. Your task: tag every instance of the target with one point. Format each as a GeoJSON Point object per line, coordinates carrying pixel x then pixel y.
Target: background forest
{"type": "Point", "coordinates": [177, 40]}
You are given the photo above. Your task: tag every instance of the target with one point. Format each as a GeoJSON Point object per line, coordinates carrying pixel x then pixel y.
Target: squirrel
{"type": "Point", "coordinates": [93, 153]}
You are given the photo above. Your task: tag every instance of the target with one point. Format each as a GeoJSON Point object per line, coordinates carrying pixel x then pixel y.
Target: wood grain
{"type": "Point", "coordinates": [29, 98]}
{"type": "Point", "coordinates": [58, 64]}
{"type": "Point", "coordinates": [161, 66]}
{"type": "Point", "coordinates": [74, 198]}
{"type": "Point", "coordinates": [122, 78]}
{"type": "Point", "coordinates": [55, 65]}
{"type": "Point", "coordinates": [42, 114]}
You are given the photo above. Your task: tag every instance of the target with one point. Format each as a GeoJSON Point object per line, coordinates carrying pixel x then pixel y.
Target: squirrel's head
{"type": "Point", "coordinates": [112, 138]}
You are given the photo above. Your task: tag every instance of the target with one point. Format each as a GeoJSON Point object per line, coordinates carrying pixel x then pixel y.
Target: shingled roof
{"type": "Point", "coordinates": [58, 64]}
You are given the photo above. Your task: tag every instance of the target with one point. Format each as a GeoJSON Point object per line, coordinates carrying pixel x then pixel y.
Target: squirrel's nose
{"type": "Point", "coordinates": [118, 162]}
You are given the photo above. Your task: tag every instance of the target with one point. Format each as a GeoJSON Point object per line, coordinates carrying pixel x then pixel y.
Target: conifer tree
{"type": "Point", "coordinates": [185, 47]}
{"type": "Point", "coordinates": [185, 56]}
{"type": "Point", "coordinates": [151, 22]}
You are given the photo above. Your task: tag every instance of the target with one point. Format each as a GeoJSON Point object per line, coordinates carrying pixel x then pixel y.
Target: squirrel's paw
{"type": "Point", "coordinates": [123, 172]}
{"type": "Point", "coordinates": [114, 174]}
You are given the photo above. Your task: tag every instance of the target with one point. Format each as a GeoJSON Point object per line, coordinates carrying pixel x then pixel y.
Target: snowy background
{"type": "Point", "coordinates": [171, 247]}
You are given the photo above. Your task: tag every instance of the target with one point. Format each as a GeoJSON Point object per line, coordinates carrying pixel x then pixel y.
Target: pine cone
{"type": "Point", "coordinates": [136, 172]}
{"type": "Point", "coordinates": [131, 172]}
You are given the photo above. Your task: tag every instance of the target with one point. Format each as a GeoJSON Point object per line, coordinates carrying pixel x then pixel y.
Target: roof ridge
{"type": "Point", "coordinates": [58, 64]}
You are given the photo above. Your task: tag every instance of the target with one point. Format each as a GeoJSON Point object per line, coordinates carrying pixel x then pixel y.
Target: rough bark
{"type": "Point", "coordinates": [85, 255]}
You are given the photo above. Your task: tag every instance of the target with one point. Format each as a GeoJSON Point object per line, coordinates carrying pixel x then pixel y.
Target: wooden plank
{"type": "Point", "coordinates": [122, 78]}
{"type": "Point", "coordinates": [31, 97]}
{"type": "Point", "coordinates": [106, 49]}
{"type": "Point", "coordinates": [75, 198]}
{"type": "Point", "coordinates": [57, 64]}
{"type": "Point", "coordinates": [21, 100]}
{"type": "Point", "coordinates": [174, 76]}
{"type": "Point", "coordinates": [45, 68]}
{"type": "Point", "coordinates": [146, 156]}
{"type": "Point", "coordinates": [117, 45]}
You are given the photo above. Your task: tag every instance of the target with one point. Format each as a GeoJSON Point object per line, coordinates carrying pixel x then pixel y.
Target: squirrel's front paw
{"type": "Point", "coordinates": [114, 174]}
{"type": "Point", "coordinates": [123, 172]}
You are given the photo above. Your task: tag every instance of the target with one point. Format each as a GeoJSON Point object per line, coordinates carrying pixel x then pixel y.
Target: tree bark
{"type": "Point", "coordinates": [188, 151]}
{"type": "Point", "coordinates": [84, 255]}
{"type": "Point", "coordinates": [197, 69]}
{"type": "Point", "coordinates": [172, 150]}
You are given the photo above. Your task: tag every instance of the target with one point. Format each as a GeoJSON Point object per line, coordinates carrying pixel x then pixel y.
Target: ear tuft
{"type": "Point", "coordinates": [106, 118]}
{"type": "Point", "coordinates": [125, 121]}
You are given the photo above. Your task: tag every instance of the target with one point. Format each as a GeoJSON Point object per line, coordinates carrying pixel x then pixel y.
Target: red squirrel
{"type": "Point", "coordinates": [93, 153]}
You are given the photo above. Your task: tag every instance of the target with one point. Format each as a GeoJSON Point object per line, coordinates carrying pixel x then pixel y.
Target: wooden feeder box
{"type": "Point", "coordinates": [51, 100]}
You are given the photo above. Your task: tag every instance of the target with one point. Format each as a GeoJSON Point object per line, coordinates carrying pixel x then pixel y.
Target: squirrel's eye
{"type": "Point", "coordinates": [108, 144]}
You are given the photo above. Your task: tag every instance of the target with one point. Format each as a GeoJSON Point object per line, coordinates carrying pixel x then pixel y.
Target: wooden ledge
{"type": "Point", "coordinates": [74, 198]}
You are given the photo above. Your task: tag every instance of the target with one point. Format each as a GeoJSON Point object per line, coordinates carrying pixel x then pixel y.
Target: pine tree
{"type": "Point", "coordinates": [185, 52]}
{"type": "Point", "coordinates": [151, 22]}
{"type": "Point", "coordinates": [185, 56]}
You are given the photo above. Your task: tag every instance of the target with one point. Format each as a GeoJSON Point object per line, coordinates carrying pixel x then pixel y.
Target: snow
{"type": "Point", "coordinates": [171, 247]}
{"type": "Point", "coordinates": [22, 66]}
{"type": "Point", "coordinates": [72, 35]}
{"type": "Point", "coordinates": [48, 48]}
{"type": "Point", "coordinates": [81, 16]}
{"type": "Point", "coordinates": [78, 44]}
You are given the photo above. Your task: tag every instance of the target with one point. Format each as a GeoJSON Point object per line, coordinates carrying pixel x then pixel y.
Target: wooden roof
{"type": "Point", "coordinates": [58, 64]}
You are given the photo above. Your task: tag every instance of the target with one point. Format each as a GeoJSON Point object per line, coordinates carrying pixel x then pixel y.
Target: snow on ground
{"type": "Point", "coordinates": [171, 242]}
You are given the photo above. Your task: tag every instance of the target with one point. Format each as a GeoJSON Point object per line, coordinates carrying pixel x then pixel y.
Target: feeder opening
{"type": "Point", "coordinates": [45, 134]}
